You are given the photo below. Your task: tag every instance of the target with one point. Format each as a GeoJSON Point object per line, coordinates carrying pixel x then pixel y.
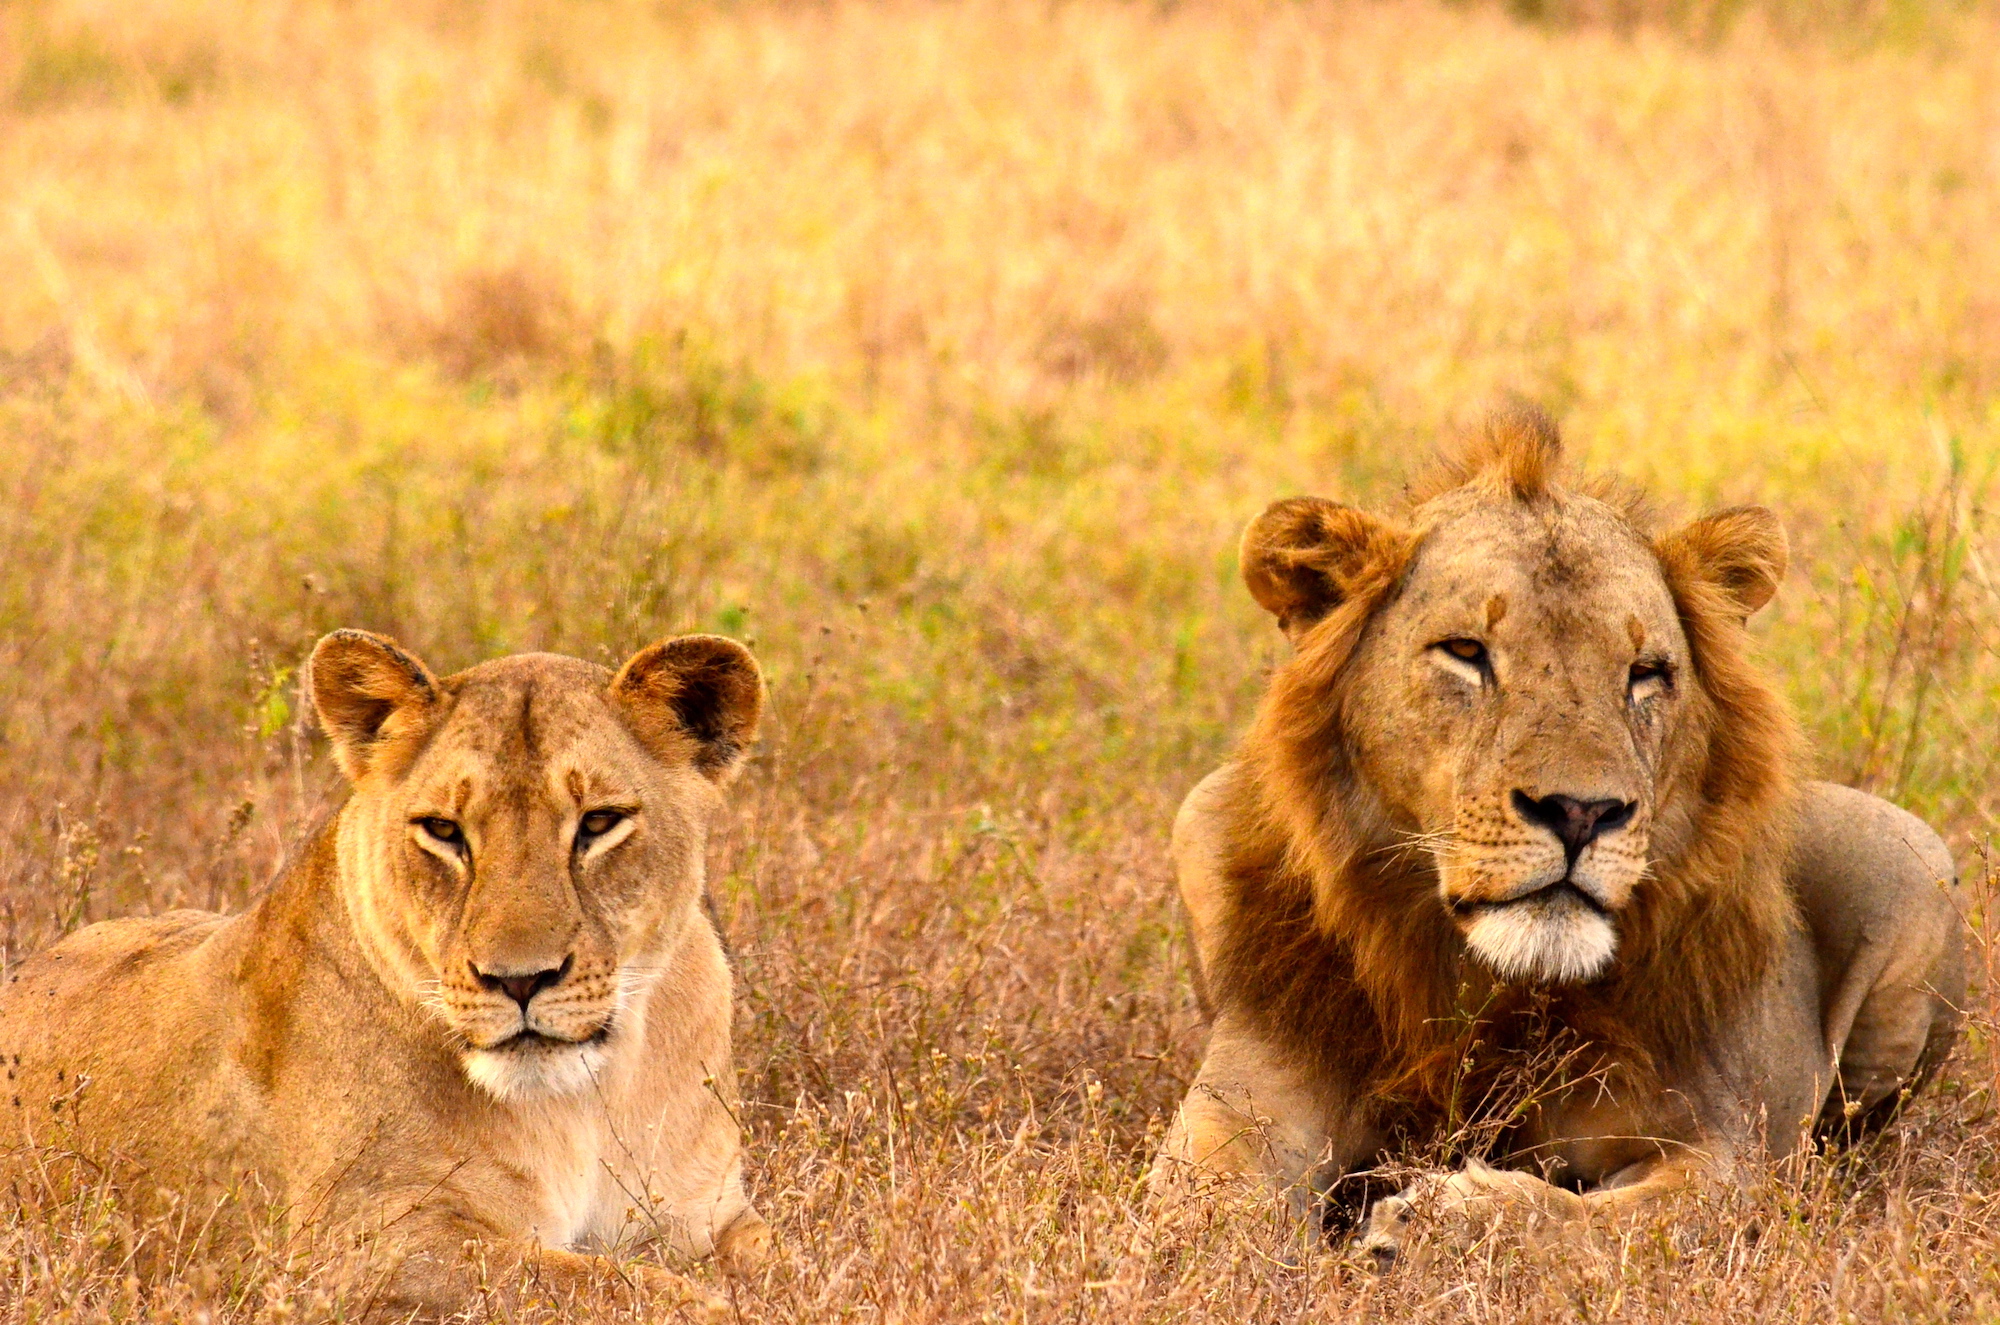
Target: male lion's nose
{"type": "Point", "coordinates": [521, 988]}
{"type": "Point", "coordinates": [1575, 823]}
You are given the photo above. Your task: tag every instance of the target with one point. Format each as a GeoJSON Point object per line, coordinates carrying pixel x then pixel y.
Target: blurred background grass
{"type": "Point", "coordinates": [942, 351]}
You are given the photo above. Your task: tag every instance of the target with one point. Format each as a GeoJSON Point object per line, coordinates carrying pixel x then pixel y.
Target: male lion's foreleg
{"type": "Point", "coordinates": [1461, 1207]}
{"type": "Point", "coordinates": [1252, 1125]}
{"type": "Point", "coordinates": [1219, 1149]}
{"type": "Point", "coordinates": [1221, 1152]}
{"type": "Point", "coordinates": [1213, 1141]}
{"type": "Point", "coordinates": [1253, 1120]}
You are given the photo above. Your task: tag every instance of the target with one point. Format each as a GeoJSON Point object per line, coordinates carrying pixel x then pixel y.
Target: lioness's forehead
{"type": "Point", "coordinates": [534, 720]}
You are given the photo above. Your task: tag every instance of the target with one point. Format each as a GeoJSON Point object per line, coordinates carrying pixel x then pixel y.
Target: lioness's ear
{"type": "Point", "coordinates": [1741, 551]}
{"type": "Point", "coordinates": [366, 690]}
{"type": "Point", "coordinates": [702, 689]}
{"type": "Point", "coordinates": [1305, 556]}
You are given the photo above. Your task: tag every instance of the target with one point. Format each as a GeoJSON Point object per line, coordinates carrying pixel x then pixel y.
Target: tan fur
{"type": "Point", "coordinates": [344, 1058]}
{"type": "Point", "coordinates": [1396, 945]}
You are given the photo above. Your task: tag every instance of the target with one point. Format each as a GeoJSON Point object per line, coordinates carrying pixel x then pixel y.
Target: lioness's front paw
{"type": "Point", "coordinates": [661, 1287]}
{"type": "Point", "coordinates": [745, 1245]}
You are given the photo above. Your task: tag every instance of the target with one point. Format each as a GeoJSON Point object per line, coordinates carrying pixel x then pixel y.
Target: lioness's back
{"type": "Point", "coordinates": [124, 1021]}
{"type": "Point", "coordinates": [62, 991]}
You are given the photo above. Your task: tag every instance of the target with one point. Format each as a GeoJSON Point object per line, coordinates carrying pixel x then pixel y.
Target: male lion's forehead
{"type": "Point", "coordinates": [1564, 535]}
{"type": "Point", "coordinates": [1576, 559]}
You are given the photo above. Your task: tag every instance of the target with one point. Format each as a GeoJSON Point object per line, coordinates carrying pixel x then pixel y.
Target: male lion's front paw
{"type": "Point", "coordinates": [1457, 1209]}
{"type": "Point", "coordinates": [1384, 1234]}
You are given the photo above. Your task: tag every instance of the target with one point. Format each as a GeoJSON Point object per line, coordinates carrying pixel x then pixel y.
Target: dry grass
{"type": "Point", "coordinates": [943, 350]}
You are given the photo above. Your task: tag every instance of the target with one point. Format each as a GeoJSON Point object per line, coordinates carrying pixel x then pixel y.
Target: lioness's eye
{"type": "Point", "coordinates": [444, 830]}
{"type": "Point", "coordinates": [1465, 650]}
{"type": "Point", "coordinates": [599, 822]}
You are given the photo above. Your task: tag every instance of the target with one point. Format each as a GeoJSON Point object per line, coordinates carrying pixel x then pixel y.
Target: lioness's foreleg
{"type": "Point", "coordinates": [569, 1276]}
{"type": "Point", "coordinates": [449, 1265]}
{"type": "Point", "coordinates": [745, 1245]}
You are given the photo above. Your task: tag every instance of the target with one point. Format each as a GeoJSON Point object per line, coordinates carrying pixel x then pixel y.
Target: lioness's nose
{"type": "Point", "coordinates": [521, 988]}
{"type": "Point", "coordinates": [1575, 823]}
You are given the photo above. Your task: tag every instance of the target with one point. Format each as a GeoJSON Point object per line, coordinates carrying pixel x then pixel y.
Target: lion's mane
{"type": "Point", "coordinates": [1336, 946]}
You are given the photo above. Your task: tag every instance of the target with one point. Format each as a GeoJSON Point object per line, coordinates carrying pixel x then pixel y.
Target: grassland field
{"type": "Point", "coordinates": [942, 351]}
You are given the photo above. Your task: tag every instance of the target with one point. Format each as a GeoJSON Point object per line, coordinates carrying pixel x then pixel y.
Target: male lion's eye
{"type": "Point", "coordinates": [443, 830]}
{"type": "Point", "coordinates": [599, 822]}
{"type": "Point", "coordinates": [1648, 675]}
{"type": "Point", "coordinates": [1465, 650]}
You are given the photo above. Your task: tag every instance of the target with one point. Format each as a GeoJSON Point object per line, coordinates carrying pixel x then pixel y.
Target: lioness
{"type": "Point", "coordinates": [481, 1020]}
{"type": "Point", "coordinates": [1516, 841]}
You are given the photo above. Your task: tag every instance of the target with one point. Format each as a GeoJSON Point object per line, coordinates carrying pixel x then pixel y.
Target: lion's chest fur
{"type": "Point", "coordinates": [557, 1154]}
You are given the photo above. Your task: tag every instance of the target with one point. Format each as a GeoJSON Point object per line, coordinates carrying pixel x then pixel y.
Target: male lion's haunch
{"type": "Point", "coordinates": [480, 1022]}
{"type": "Point", "coordinates": [1519, 823]}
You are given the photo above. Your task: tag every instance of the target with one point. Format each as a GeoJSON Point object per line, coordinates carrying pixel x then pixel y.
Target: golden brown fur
{"type": "Point", "coordinates": [1352, 1008]}
{"type": "Point", "coordinates": [474, 1037]}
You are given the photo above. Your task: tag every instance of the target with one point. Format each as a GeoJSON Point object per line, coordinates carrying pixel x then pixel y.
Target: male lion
{"type": "Point", "coordinates": [480, 1020]}
{"type": "Point", "coordinates": [1516, 843]}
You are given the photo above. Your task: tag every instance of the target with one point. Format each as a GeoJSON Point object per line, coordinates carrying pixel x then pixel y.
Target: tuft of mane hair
{"type": "Point", "coordinates": [1518, 446]}
{"type": "Point", "coordinates": [1518, 451]}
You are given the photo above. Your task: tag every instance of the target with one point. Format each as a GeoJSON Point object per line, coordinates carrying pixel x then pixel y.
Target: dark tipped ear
{"type": "Point", "coordinates": [1741, 552]}
{"type": "Point", "coordinates": [1305, 556]}
{"type": "Point", "coordinates": [700, 693]}
{"type": "Point", "coordinates": [367, 691]}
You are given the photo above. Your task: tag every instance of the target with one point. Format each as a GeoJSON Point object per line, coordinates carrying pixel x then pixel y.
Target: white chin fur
{"type": "Point", "coordinates": [536, 1071]}
{"type": "Point", "coordinates": [1548, 943]}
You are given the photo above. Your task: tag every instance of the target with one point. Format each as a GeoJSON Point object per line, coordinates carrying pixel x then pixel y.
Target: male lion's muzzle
{"type": "Point", "coordinates": [1535, 882]}
{"type": "Point", "coordinates": [1576, 823]}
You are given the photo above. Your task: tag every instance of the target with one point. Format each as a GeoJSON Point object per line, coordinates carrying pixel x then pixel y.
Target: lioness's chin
{"type": "Point", "coordinates": [1558, 941]}
{"type": "Point", "coordinates": [535, 1070]}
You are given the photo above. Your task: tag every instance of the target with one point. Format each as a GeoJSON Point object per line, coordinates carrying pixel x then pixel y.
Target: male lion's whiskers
{"type": "Point", "coordinates": [1410, 846]}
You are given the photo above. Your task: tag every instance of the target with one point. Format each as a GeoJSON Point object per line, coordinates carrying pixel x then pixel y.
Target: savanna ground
{"type": "Point", "coordinates": [942, 351]}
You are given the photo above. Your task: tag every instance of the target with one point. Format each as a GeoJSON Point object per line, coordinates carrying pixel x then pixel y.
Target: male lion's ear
{"type": "Point", "coordinates": [366, 689]}
{"type": "Point", "coordinates": [702, 689]}
{"type": "Point", "coordinates": [1305, 556]}
{"type": "Point", "coordinates": [1741, 551]}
